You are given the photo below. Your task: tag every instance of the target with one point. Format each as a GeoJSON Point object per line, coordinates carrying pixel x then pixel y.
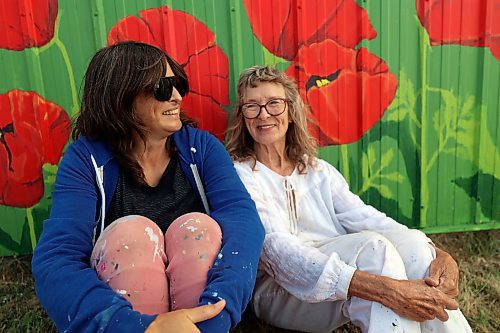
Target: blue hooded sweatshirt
{"type": "Point", "coordinates": [69, 289]}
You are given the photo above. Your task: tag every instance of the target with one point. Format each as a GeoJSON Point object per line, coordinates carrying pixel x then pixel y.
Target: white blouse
{"type": "Point", "coordinates": [299, 213]}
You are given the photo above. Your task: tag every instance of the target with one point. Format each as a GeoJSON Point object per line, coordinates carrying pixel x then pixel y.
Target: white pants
{"type": "Point", "coordinates": [399, 255]}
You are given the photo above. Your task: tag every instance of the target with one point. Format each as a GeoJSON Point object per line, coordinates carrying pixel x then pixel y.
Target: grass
{"type": "Point", "coordinates": [478, 255]}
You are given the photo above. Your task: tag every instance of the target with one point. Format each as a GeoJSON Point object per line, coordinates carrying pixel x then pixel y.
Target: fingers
{"type": "Point", "coordinates": [449, 289]}
{"type": "Point", "coordinates": [442, 315]}
{"type": "Point", "coordinates": [447, 303]}
{"type": "Point", "coordinates": [451, 304]}
{"type": "Point", "coordinates": [432, 281]}
{"type": "Point", "coordinates": [205, 312]}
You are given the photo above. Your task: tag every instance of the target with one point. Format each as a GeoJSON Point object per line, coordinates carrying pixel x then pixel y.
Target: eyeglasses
{"type": "Point", "coordinates": [163, 88]}
{"type": "Point", "coordinates": [274, 107]}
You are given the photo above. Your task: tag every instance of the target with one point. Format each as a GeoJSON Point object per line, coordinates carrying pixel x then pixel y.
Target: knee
{"type": "Point", "coordinates": [373, 243]}
{"type": "Point", "coordinates": [131, 226]}
{"type": "Point", "coordinates": [417, 254]}
{"type": "Point", "coordinates": [129, 237]}
{"type": "Point", "coordinates": [196, 223]}
{"type": "Point", "coordinates": [376, 254]}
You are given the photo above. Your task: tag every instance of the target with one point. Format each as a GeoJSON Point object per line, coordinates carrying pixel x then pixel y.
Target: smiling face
{"type": "Point", "coordinates": [160, 118]}
{"type": "Point", "coordinates": [267, 130]}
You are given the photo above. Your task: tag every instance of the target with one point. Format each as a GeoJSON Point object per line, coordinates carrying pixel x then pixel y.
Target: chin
{"type": "Point", "coordinates": [177, 127]}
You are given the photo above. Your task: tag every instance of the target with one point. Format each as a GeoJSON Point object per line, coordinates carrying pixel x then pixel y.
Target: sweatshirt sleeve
{"type": "Point", "coordinates": [302, 270]}
{"type": "Point", "coordinates": [233, 274]}
{"type": "Point", "coordinates": [67, 287]}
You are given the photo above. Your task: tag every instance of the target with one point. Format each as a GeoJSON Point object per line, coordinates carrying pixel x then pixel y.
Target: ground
{"type": "Point", "coordinates": [478, 255]}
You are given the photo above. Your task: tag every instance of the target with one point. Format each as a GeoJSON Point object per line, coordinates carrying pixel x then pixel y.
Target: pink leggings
{"type": "Point", "coordinates": [130, 257]}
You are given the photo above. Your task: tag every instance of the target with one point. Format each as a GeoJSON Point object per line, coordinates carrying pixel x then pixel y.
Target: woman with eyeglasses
{"type": "Point", "coordinates": [151, 228]}
{"type": "Point", "coordinates": [327, 257]}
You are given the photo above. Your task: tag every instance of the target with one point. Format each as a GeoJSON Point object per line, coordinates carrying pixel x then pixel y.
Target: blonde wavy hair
{"type": "Point", "coordinates": [300, 146]}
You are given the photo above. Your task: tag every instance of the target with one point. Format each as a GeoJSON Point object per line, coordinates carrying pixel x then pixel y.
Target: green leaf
{"type": "Point", "coordinates": [403, 104]}
{"type": "Point", "coordinates": [395, 177]}
{"type": "Point", "coordinates": [451, 106]}
{"type": "Point", "coordinates": [385, 191]}
{"type": "Point", "coordinates": [386, 158]}
{"type": "Point", "coordinates": [489, 157]}
{"type": "Point", "coordinates": [372, 158]}
{"type": "Point", "coordinates": [397, 115]}
{"type": "Point", "coordinates": [436, 122]}
{"type": "Point", "coordinates": [486, 183]}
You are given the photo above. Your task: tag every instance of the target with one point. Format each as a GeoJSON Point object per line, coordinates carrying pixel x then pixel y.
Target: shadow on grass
{"type": "Point", "coordinates": [478, 255]}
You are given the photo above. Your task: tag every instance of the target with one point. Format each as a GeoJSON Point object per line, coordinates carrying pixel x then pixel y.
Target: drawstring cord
{"type": "Point", "coordinates": [291, 201]}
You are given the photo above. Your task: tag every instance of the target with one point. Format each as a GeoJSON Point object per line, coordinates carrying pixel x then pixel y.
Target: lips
{"type": "Point", "coordinates": [264, 127]}
{"type": "Point", "coordinates": [170, 112]}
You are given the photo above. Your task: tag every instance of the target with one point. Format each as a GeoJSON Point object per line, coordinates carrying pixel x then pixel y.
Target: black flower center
{"type": "Point", "coordinates": [318, 81]}
{"type": "Point", "coordinates": [7, 129]}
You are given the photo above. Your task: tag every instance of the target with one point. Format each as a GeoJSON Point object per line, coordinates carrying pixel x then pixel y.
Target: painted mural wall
{"type": "Point", "coordinates": [403, 96]}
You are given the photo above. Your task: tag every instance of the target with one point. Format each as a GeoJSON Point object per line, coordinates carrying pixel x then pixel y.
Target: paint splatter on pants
{"type": "Point", "coordinates": [156, 272]}
{"type": "Point", "coordinates": [400, 255]}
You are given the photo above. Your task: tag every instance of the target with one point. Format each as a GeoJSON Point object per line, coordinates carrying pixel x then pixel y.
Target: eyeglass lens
{"type": "Point", "coordinates": [274, 107]}
{"type": "Point", "coordinates": [165, 85]}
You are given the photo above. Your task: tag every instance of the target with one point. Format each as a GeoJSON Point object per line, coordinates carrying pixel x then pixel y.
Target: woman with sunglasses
{"type": "Point", "coordinates": [327, 257]}
{"type": "Point", "coordinates": [149, 218]}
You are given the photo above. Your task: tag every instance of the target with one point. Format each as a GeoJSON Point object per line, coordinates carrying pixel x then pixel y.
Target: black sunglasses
{"type": "Point", "coordinates": [165, 85]}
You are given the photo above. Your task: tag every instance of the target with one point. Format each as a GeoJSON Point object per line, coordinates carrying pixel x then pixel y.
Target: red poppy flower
{"type": "Point", "coordinates": [33, 131]}
{"type": "Point", "coordinates": [283, 26]}
{"type": "Point", "coordinates": [27, 23]}
{"type": "Point", "coordinates": [192, 45]}
{"type": "Point", "coordinates": [463, 22]}
{"type": "Point", "coordinates": [347, 90]}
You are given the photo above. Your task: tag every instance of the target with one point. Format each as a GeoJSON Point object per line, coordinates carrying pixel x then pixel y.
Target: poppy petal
{"type": "Point", "coordinates": [207, 113]}
{"type": "Point", "coordinates": [347, 92]}
{"type": "Point", "coordinates": [462, 22]}
{"type": "Point", "coordinates": [283, 26]}
{"type": "Point", "coordinates": [28, 23]}
{"type": "Point", "coordinates": [33, 131]}
{"type": "Point", "coordinates": [192, 45]}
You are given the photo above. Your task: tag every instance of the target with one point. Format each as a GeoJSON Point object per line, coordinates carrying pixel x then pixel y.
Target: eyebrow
{"type": "Point", "coordinates": [267, 99]}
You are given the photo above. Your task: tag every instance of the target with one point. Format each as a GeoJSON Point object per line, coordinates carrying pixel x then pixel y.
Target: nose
{"type": "Point", "coordinates": [263, 114]}
{"type": "Point", "coordinates": [176, 97]}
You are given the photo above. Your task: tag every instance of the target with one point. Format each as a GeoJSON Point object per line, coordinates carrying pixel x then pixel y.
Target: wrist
{"type": "Point", "coordinates": [372, 287]}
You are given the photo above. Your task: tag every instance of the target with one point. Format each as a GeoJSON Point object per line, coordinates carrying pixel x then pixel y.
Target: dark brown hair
{"type": "Point", "coordinates": [115, 76]}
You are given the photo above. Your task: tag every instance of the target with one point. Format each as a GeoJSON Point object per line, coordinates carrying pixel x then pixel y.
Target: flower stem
{"type": "Point", "coordinates": [31, 226]}
{"type": "Point", "coordinates": [345, 162]}
{"type": "Point", "coordinates": [69, 68]}
{"type": "Point", "coordinates": [424, 186]}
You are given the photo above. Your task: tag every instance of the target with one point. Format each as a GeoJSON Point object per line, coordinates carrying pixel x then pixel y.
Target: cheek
{"type": "Point", "coordinates": [248, 124]}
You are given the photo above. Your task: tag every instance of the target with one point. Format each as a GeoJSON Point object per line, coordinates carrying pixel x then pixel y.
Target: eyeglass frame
{"type": "Point", "coordinates": [164, 87]}
{"type": "Point", "coordinates": [263, 106]}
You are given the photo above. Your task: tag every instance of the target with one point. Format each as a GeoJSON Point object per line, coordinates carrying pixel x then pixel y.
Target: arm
{"type": "Point", "coordinates": [68, 288]}
{"type": "Point", "coordinates": [233, 274]}
{"type": "Point", "coordinates": [302, 270]}
{"type": "Point", "coordinates": [412, 299]}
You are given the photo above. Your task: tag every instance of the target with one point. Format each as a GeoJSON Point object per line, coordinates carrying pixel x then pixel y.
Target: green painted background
{"type": "Point", "coordinates": [432, 162]}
